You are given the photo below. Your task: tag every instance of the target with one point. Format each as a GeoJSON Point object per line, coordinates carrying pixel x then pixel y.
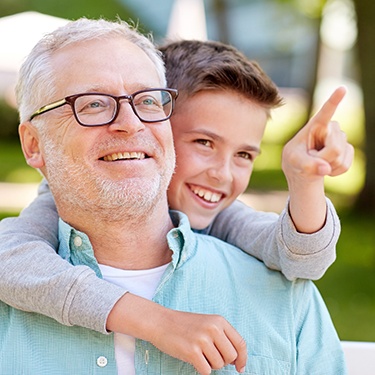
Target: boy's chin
{"type": "Point", "coordinates": [200, 223]}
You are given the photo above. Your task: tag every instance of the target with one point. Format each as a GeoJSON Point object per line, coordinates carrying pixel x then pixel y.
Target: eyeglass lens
{"type": "Point", "coordinates": [100, 109]}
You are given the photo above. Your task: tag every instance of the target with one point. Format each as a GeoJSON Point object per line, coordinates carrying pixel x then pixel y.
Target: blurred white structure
{"type": "Point", "coordinates": [187, 20]}
{"type": "Point", "coordinates": [18, 35]}
{"type": "Point", "coordinates": [360, 357]}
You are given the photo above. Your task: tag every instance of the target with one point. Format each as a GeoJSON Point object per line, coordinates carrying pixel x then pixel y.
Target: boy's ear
{"type": "Point", "coordinates": [30, 145]}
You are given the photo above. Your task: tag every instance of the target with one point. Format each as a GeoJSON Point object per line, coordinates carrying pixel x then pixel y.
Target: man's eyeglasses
{"type": "Point", "coordinates": [96, 109]}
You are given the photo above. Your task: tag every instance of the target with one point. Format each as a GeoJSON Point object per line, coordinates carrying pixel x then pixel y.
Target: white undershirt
{"type": "Point", "coordinates": [142, 283]}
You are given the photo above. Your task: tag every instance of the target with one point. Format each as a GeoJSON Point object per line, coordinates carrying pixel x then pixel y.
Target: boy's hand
{"type": "Point", "coordinates": [205, 341]}
{"type": "Point", "coordinates": [208, 342]}
{"type": "Point", "coordinates": [320, 148]}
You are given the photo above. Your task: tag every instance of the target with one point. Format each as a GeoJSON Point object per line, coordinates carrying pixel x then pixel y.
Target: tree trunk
{"type": "Point", "coordinates": [365, 10]}
{"type": "Point", "coordinates": [220, 9]}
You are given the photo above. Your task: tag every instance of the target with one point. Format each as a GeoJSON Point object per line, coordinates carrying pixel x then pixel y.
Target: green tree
{"type": "Point", "coordinates": [312, 9]}
{"type": "Point", "coordinates": [70, 9]}
{"type": "Point", "coordinates": [365, 10]}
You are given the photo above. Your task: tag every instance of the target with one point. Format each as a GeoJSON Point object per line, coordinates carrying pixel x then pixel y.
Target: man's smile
{"type": "Point", "coordinates": [125, 156]}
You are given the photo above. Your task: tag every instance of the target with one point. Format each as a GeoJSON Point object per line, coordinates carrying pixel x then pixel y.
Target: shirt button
{"type": "Point", "coordinates": [101, 361]}
{"type": "Point", "coordinates": [77, 241]}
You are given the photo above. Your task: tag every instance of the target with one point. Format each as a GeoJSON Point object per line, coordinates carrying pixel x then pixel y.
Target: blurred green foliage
{"type": "Point", "coordinates": [348, 287]}
{"type": "Point", "coordinates": [70, 9]}
{"type": "Point", "coordinates": [8, 120]}
{"type": "Point", "coordinates": [13, 167]}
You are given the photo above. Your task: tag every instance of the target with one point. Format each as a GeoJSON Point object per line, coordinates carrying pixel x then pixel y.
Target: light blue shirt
{"type": "Point", "coordinates": [285, 324]}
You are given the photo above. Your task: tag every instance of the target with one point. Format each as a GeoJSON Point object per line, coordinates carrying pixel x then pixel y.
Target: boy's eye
{"type": "Point", "coordinates": [245, 155]}
{"type": "Point", "coordinates": [204, 142]}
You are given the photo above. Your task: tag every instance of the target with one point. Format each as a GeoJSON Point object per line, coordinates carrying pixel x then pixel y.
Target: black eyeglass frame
{"type": "Point", "coordinates": [130, 98]}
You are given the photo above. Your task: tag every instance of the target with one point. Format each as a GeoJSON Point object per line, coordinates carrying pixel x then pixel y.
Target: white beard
{"type": "Point", "coordinates": [78, 189]}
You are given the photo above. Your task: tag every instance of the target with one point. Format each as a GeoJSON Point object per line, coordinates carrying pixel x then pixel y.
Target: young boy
{"type": "Point", "coordinates": [219, 121]}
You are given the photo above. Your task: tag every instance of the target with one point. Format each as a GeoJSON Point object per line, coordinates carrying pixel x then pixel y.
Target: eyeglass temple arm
{"type": "Point", "coordinates": [48, 107]}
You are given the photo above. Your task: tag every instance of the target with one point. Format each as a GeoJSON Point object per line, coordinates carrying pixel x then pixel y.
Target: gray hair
{"type": "Point", "coordinates": [36, 76]}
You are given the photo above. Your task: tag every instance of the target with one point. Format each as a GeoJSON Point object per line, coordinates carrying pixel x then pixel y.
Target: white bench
{"type": "Point", "coordinates": [360, 357]}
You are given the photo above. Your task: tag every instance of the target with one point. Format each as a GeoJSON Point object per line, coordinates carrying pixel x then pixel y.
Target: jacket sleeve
{"type": "Point", "coordinates": [34, 278]}
{"type": "Point", "coordinates": [274, 239]}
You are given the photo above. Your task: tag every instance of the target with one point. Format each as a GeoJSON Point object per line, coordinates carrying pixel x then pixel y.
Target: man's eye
{"type": "Point", "coordinates": [204, 142]}
{"type": "Point", "coordinates": [96, 104]}
{"type": "Point", "coordinates": [148, 101]}
{"type": "Point", "coordinates": [92, 105]}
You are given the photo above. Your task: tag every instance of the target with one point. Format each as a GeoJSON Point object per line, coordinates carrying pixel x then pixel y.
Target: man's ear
{"type": "Point", "coordinates": [30, 145]}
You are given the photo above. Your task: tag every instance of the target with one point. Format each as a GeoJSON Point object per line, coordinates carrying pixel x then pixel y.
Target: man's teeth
{"type": "Point", "coordinates": [208, 196]}
{"type": "Point", "coordinates": [124, 156]}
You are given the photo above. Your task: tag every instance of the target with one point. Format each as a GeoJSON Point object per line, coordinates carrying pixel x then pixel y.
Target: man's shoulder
{"type": "Point", "coordinates": [217, 243]}
{"type": "Point", "coordinates": [217, 250]}
{"type": "Point", "coordinates": [213, 250]}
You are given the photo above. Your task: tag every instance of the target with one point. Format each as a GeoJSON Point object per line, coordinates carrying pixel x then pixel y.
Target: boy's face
{"type": "Point", "coordinates": [217, 136]}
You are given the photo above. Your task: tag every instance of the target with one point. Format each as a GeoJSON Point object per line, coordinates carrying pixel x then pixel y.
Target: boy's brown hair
{"type": "Point", "coordinates": [193, 66]}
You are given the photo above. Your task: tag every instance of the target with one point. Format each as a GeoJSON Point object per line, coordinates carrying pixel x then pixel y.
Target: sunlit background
{"type": "Point", "coordinates": [308, 47]}
{"type": "Point", "coordinates": [305, 55]}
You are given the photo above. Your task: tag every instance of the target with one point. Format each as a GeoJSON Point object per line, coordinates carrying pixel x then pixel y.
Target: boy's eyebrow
{"type": "Point", "coordinates": [217, 137]}
{"type": "Point", "coordinates": [253, 149]}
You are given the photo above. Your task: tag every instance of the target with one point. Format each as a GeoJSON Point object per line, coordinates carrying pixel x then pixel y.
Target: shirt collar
{"type": "Point", "coordinates": [75, 246]}
{"type": "Point", "coordinates": [181, 239]}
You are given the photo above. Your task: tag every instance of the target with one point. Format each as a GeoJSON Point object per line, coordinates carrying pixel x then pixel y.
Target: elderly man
{"type": "Point", "coordinates": [105, 146]}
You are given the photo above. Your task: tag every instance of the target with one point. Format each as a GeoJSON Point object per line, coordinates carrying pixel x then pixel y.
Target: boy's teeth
{"type": "Point", "coordinates": [207, 195]}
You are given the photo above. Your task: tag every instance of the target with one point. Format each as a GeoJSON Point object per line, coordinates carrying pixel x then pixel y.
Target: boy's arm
{"type": "Point", "coordinates": [301, 243]}
{"type": "Point", "coordinates": [275, 240]}
{"type": "Point", "coordinates": [34, 278]}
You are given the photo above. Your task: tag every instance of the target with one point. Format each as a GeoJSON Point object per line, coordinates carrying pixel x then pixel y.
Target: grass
{"type": "Point", "coordinates": [348, 287]}
{"type": "Point", "coordinates": [4, 214]}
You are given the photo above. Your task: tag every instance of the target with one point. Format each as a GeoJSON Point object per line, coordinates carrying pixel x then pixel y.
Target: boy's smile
{"type": "Point", "coordinates": [215, 149]}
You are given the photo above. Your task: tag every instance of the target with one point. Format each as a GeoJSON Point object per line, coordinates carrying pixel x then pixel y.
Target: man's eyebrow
{"type": "Point", "coordinates": [218, 138]}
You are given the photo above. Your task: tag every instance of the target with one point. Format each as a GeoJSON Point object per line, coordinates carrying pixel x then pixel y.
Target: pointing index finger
{"type": "Point", "coordinates": [324, 115]}
{"type": "Point", "coordinates": [318, 125]}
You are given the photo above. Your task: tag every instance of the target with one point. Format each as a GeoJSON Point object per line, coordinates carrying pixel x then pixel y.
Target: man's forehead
{"type": "Point", "coordinates": [100, 51]}
{"type": "Point", "coordinates": [103, 64]}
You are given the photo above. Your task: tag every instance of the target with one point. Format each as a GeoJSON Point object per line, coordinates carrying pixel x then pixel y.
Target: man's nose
{"type": "Point", "coordinates": [126, 120]}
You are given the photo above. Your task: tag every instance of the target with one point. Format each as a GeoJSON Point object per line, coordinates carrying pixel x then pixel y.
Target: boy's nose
{"type": "Point", "coordinates": [221, 171]}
